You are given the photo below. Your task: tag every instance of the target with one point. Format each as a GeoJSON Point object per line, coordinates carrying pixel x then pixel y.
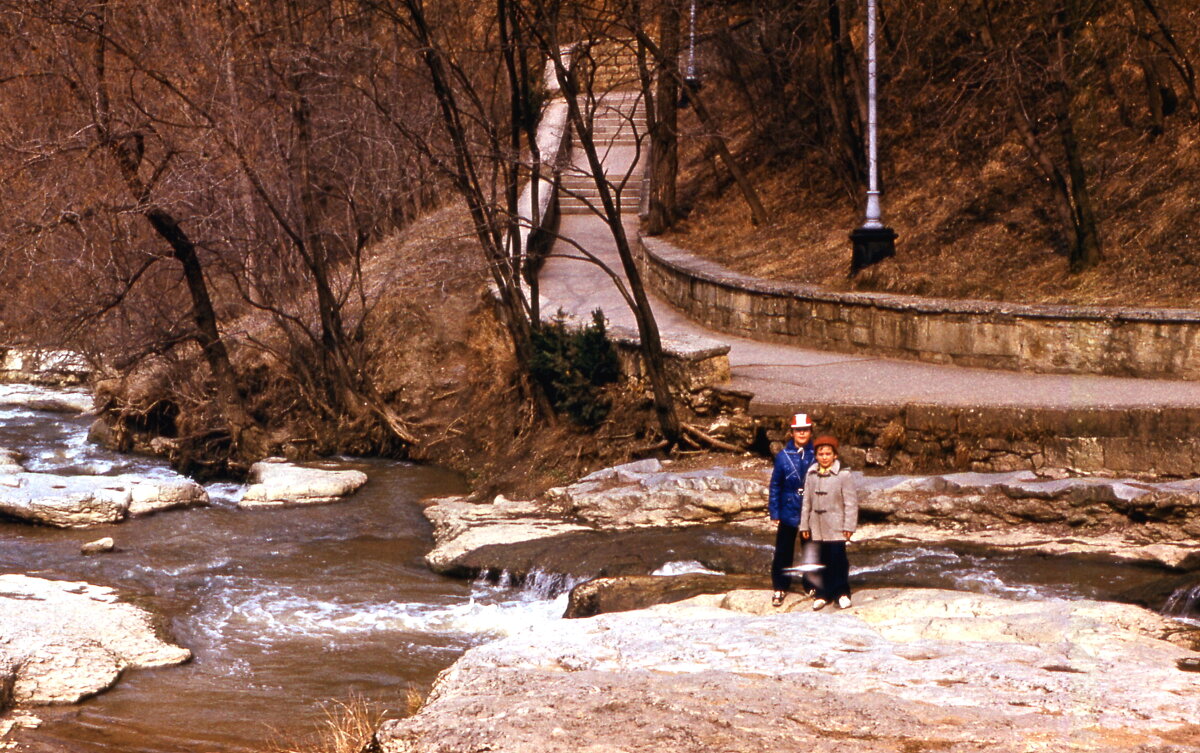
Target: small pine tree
{"type": "Point", "coordinates": [572, 365]}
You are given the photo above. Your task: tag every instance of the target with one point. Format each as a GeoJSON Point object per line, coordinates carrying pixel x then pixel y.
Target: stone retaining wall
{"type": "Point", "coordinates": [933, 438]}
{"type": "Point", "coordinates": [693, 364]}
{"type": "Point", "coordinates": [1158, 343]}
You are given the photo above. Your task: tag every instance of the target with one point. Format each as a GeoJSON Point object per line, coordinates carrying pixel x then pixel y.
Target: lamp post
{"type": "Point", "coordinates": [873, 242]}
{"type": "Point", "coordinates": [691, 79]}
{"type": "Point", "coordinates": [690, 76]}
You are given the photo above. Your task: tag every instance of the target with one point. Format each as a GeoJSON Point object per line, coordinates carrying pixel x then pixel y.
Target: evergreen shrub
{"type": "Point", "coordinates": [572, 364]}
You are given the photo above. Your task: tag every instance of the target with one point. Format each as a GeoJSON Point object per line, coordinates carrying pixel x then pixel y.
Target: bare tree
{"type": "Point", "coordinates": [87, 67]}
{"type": "Point", "coordinates": [1032, 56]}
{"type": "Point", "coordinates": [484, 159]}
{"type": "Point", "coordinates": [226, 130]}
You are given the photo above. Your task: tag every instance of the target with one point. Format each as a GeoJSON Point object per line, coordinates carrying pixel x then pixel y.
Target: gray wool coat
{"type": "Point", "coordinates": [830, 504]}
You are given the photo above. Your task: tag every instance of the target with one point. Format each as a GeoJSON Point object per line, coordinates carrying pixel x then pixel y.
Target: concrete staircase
{"type": "Point", "coordinates": [618, 128]}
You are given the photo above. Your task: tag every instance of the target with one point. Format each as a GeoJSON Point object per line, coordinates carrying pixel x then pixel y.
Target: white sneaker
{"type": "Point", "coordinates": [819, 604]}
{"type": "Point", "coordinates": [843, 602]}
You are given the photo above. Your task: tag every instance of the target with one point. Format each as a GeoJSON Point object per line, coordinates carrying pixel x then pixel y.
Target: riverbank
{"type": "Point", "coordinates": [254, 594]}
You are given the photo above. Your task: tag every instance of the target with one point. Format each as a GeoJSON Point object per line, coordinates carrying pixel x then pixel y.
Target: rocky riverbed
{"type": "Point", "coordinates": [1059, 514]}
{"type": "Point", "coordinates": [64, 639]}
{"type": "Point", "coordinates": [901, 670]}
{"type": "Point", "coordinates": [719, 669]}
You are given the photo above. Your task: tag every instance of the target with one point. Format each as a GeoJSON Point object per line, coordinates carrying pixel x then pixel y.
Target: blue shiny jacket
{"type": "Point", "coordinates": [787, 482]}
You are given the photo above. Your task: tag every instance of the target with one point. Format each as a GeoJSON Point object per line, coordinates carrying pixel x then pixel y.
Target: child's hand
{"type": "Point", "coordinates": [805, 535]}
{"type": "Point", "coordinates": [847, 534]}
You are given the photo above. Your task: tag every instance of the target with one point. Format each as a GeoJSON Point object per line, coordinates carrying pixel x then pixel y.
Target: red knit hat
{"type": "Point", "coordinates": [825, 439]}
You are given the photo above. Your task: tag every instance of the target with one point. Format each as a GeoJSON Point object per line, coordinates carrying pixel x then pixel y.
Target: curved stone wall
{"type": "Point", "coordinates": [1117, 341]}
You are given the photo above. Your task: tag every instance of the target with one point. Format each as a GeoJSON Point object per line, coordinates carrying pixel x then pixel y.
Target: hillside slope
{"type": "Point", "coordinates": [973, 114]}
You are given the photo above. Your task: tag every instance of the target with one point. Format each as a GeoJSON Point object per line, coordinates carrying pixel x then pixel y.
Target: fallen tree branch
{"type": "Point", "coordinates": [695, 433]}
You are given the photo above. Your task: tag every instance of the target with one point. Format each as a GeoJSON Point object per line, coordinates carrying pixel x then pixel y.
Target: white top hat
{"type": "Point", "coordinates": [801, 421]}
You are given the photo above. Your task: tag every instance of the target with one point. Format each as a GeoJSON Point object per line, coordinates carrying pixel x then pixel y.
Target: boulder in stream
{"type": "Point", "coordinates": [278, 483]}
{"type": "Point", "coordinates": [904, 669]}
{"type": "Point", "coordinates": [99, 546]}
{"type": "Point", "coordinates": [62, 641]}
{"type": "Point", "coordinates": [463, 529]}
{"type": "Point", "coordinates": [83, 501]}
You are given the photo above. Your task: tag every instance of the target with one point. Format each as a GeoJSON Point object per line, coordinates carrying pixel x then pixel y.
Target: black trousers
{"type": "Point", "coordinates": [785, 555]}
{"type": "Point", "coordinates": [836, 580]}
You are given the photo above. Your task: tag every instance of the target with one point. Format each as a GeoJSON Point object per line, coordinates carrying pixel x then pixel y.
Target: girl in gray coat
{"type": "Point", "coordinates": [829, 516]}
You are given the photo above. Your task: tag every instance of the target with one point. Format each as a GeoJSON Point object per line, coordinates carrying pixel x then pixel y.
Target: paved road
{"type": "Point", "coordinates": [784, 377]}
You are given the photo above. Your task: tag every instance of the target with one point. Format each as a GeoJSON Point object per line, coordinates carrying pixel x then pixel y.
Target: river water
{"type": "Point", "coordinates": [285, 610]}
{"type": "Point", "coordinates": [290, 610]}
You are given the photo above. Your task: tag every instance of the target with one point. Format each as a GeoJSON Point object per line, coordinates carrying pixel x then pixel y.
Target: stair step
{"type": "Point", "coordinates": [625, 139]}
{"type": "Point", "coordinates": [594, 195]}
{"type": "Point", "coordinates": [578, 198]}
{"type": "Point", "coordinates": [585, 185]}
{"type": "Point", "coordinates": [589, 210]}
{"type": "Point", "coordinates": [628, 130]}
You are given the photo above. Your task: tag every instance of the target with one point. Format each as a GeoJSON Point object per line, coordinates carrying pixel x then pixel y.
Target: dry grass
{"type": "Point", "coordinates": [970, 225]}
{"type": "Point", "coordinates": [348, 727]}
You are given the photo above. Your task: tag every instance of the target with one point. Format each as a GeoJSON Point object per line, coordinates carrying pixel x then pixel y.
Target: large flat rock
{"type": "Point", "coordinates": [902, 670]}
{"type": "Point", "coordinates": [63, 641]}
{"type": "Point", "coordinates": [83, 501]}
{"type": "Point", "coordinates": [644, 494]}
{"type": "Point", "coordinates": [277, 483]}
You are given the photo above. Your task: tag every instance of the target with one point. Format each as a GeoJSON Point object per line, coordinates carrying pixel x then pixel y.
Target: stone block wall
{"type": "Point", "coordinates": [919, 438]}
{"type": "Point", "coordinates": [1159, 343]}
{"type": "Point", "coordinates": [693, 365]}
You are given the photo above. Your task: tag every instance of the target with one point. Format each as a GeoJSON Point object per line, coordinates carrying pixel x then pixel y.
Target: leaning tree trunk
{"type": "Point", "coordinates": [245, 434]}
{"type": "Point", "coordinates": [664, 141]}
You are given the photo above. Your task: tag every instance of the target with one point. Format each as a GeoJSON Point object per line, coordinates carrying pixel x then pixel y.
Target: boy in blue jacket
{"type": "Point", "coordinates": [786, 495]}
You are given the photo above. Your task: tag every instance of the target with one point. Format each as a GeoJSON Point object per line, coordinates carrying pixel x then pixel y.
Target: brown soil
{"type": "Point", "coordinates": [441, 359]}
{"type": "Point", "coordinates": [970, 226]}
{"type": "Point", "coordinates": [446, 363]}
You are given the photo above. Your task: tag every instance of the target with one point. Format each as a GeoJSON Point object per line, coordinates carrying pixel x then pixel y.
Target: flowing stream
{"type": "Point", "coordinates": [291, 610]}
{"type": "Point", "coordinates": [286, 610]}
